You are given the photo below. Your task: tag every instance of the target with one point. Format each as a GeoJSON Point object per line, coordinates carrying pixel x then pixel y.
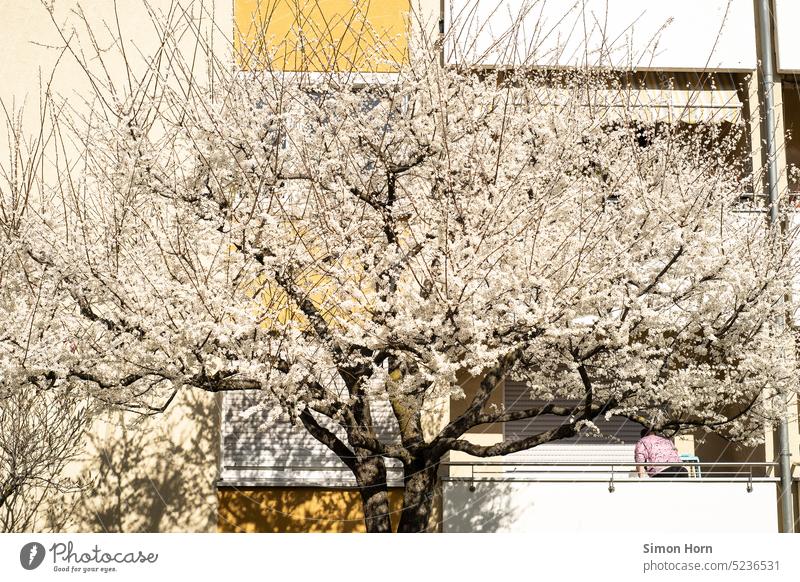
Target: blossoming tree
{"type": "Point", "coordinates": [328, 243]}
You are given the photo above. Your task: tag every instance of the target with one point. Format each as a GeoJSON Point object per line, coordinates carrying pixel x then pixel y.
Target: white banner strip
{"type": "Point", "coordinates": [347, 558]}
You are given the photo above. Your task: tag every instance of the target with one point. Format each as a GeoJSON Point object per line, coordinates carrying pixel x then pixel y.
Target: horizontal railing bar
{"type": "Point", "coordinates": [589, 472]}
{"type": "Point", "coordinates": [601, 464]}
{"type": "Point", "coordinates": [238, 483]}
{"type": "Point", "coordinates": [300, 467]}
{"type": "Point", "coordinates": [622, 480]}
{"type": "Point", "coordinates": [529, 464]}
{"type": "Point", "coordinates": [398, 482]}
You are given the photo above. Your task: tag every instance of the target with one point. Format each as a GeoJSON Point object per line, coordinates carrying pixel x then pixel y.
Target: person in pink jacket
{"type": "Point", "coordinates": [654, 448]}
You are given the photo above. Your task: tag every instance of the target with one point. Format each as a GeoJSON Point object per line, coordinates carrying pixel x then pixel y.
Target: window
{"type": "Point", "coordinates": [791, 119]}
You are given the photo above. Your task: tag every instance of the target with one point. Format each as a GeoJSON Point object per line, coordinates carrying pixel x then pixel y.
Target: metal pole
{"type": "Point", "coordinates": [764, 22]}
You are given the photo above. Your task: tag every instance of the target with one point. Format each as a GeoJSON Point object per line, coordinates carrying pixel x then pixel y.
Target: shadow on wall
{"type": "Point", "coordinates": [152, 474]}
{"type": "Point", "coordinates": [487, 509]}
{"type": "Point", "coordinates": [296, 510]}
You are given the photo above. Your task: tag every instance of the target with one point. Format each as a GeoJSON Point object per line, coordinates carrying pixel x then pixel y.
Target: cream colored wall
{"type": "Point", "coordinates": [140, 474]}
{"type": "Point", "coordinates": [36, 46]}
{"type": "Point", "coordinates": [484, 435]}
{"type": "Point", "coordinates": [685, 444]}
{"type": "Point", "coordinates": [150, 474]}
{"type": "Point", "coordinates": [470, 386]}
{"type": "Point", "coordinates": [425, 16]}
{"type": "Point", "coordinates": [787, 13]}
{"type": "Point", "coordinates": [674, 35]}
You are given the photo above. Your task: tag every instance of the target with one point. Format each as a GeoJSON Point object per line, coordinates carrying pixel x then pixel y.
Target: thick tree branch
{"type": "Point", "coordinates": [469, 418]}
{"type": "Point", "coordinates": [511, 446]}
{"type": "Point", "coordinates": [329, 439]}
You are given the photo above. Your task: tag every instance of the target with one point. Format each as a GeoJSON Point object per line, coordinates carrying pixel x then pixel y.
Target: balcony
{"type": "Point", "coordinates": [519, 497]}
{"type": "Point", "coordinates": [677, 35]}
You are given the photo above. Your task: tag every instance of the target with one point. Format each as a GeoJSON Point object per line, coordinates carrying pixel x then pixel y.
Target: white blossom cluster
{"type": "Point", "coordinates": [329, 243]}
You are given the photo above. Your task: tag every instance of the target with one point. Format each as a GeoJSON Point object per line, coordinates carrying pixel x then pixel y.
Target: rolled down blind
{"type": "Point", "coordinates": [622, 430]}
{"type": "Point", "coordinates": [258, 451]}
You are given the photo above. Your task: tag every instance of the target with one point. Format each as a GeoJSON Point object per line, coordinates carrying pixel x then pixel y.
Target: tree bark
{"type": "Point", "coordinates": [421, 482]}
{"type": "Point", "coordinates": [368, 469]}
{"type": "Point", "coordinates": [371, 478]}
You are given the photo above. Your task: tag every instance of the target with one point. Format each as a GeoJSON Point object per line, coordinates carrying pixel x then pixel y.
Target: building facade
{"type": "Point", "coordinates": [204, 466]}
{"type": "Point", "coordinates": [701, 68]}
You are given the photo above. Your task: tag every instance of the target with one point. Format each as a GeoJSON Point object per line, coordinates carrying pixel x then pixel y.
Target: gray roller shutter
{"type": "Point", "coordinates": [622, 430]}
{"type": "Point", "coordinates": [596, 455]}
{"type": "Point", "coordinates": [256, 451]}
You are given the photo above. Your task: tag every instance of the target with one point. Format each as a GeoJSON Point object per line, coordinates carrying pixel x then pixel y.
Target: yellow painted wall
{"type": "Point", "coordinates": [295, 509]}
{"type": "Point", "coordinates": [321, 35]}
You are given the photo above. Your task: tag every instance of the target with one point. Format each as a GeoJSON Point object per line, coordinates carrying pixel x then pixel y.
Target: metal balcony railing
{"type": "Point", "coordinates": [513, 471]}
{"type": "Point", "coordinates": [610, 472]}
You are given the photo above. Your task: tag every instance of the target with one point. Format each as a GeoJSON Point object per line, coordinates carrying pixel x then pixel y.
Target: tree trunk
{"type": "Point", "coordinates": [371, 477]}
{"type": "Point", "coordinates": [421, 486]}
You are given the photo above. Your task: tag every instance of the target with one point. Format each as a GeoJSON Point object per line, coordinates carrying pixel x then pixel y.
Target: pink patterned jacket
{"type": "Point", "coordinates": [655, 449]}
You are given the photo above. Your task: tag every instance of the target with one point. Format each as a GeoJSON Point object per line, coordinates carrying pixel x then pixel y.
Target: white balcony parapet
{"type": "Point", "coordinates": [679, 35]}
{"type": "Point", "coordinates": [787, 15]}
{"type": "Point", "coordinates": [550, 497]}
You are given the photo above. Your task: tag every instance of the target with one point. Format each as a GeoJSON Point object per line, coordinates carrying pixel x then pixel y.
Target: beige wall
{"type": "Point", "coordinates": [484, 435]}
{"type": "Point", "coordinates": [139, 473]}
{"type": "Point", "coordinates": [151, 474]}
{"type": "Point", "coordinates": [37, 57]}
{"type": "Point", "coordinates": [470, 386]}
